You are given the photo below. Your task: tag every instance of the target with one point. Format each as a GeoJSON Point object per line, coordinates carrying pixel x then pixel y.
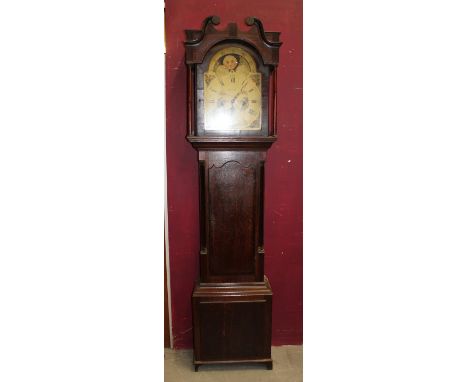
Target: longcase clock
{"type": "Point", "coordinates": [232, 124]}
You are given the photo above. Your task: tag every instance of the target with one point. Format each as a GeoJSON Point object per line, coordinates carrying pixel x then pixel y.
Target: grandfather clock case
{"type": "Point", "coordinates": [232, 124]}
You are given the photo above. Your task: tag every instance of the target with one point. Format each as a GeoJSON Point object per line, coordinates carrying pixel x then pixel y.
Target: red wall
{"type": "Point", "coordinates": [283, 188]}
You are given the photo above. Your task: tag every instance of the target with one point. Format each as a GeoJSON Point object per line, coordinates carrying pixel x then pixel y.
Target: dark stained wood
{"type": "Point", "coordinates": [191, 99]}
{"type": "Point", "coordinates": [232, 301]}
{"type": "Point", "coordinates": [231, 210]}
{"type": "Point", "coordinates": [199, 42]}
{"type": "Point", "coordinates": [219, 143]}
{"type": "Point", "coordinates": [231, 215]}
{"type": "Point", "coordinates": [232, 323]}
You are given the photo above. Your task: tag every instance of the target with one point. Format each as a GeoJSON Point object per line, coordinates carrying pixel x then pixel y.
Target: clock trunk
{"type": "Point", "coordinates": [231, 215]}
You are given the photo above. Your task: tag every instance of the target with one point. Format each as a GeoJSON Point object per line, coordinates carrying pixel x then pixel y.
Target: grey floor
{"type": "Point", "coordinates": [287, 367]}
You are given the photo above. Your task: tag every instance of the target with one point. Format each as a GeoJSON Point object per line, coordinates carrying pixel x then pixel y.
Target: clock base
{"type": "Point", "coordinates": [232, 323]}
{"type": "Point", "coordinates": [268, 363]}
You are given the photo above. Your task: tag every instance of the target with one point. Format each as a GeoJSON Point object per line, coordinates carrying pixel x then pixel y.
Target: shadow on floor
{"type": "Point", "coordinates": [287, 367]}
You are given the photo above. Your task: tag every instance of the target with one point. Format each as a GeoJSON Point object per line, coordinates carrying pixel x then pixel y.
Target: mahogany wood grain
{"type": "Point", "coordinates": [231, 215]}
{"type": "Point", "coordinates": [232, 323]}
{"type": "Point", "coordinates": [232, 301]}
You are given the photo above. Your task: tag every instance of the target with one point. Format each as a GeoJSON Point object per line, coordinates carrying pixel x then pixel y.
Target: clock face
{"type": "Point", "coordinates": [232, 91]}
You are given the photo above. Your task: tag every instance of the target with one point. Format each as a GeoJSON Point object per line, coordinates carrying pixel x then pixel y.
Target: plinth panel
{"type": "Point", "coordinates": [232, 324]}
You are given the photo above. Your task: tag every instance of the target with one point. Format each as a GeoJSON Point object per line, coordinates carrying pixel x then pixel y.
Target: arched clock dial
{"type": "Point", "coordinates": [232, 91]}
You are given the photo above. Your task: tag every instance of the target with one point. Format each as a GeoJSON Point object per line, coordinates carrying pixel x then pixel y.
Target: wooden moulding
{"type": "Point", "coordinates": [233, 289]}
{"type": "Point", "coordinates": [199, 42]}
{"type": "Point", "coordinates": [214, 142]}
{"type": "Point", "coordinates": [232, 323]}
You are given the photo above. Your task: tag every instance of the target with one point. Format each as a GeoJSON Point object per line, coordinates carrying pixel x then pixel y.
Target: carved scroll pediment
{"type": "Point", "coordinates": [199, 42]}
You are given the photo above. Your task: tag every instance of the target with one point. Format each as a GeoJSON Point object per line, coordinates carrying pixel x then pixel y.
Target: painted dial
{"type": "Point", "coordinates": [232, 91]}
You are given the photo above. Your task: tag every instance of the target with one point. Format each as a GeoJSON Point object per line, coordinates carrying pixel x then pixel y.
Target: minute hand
{"type": "Point", "coordinates": [238, 94]}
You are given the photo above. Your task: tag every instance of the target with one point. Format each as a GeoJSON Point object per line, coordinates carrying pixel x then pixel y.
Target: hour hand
{"type": "Point", "coordinates": [238, 94]}
{"type": "Point", "coordinates": [235, 97]}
